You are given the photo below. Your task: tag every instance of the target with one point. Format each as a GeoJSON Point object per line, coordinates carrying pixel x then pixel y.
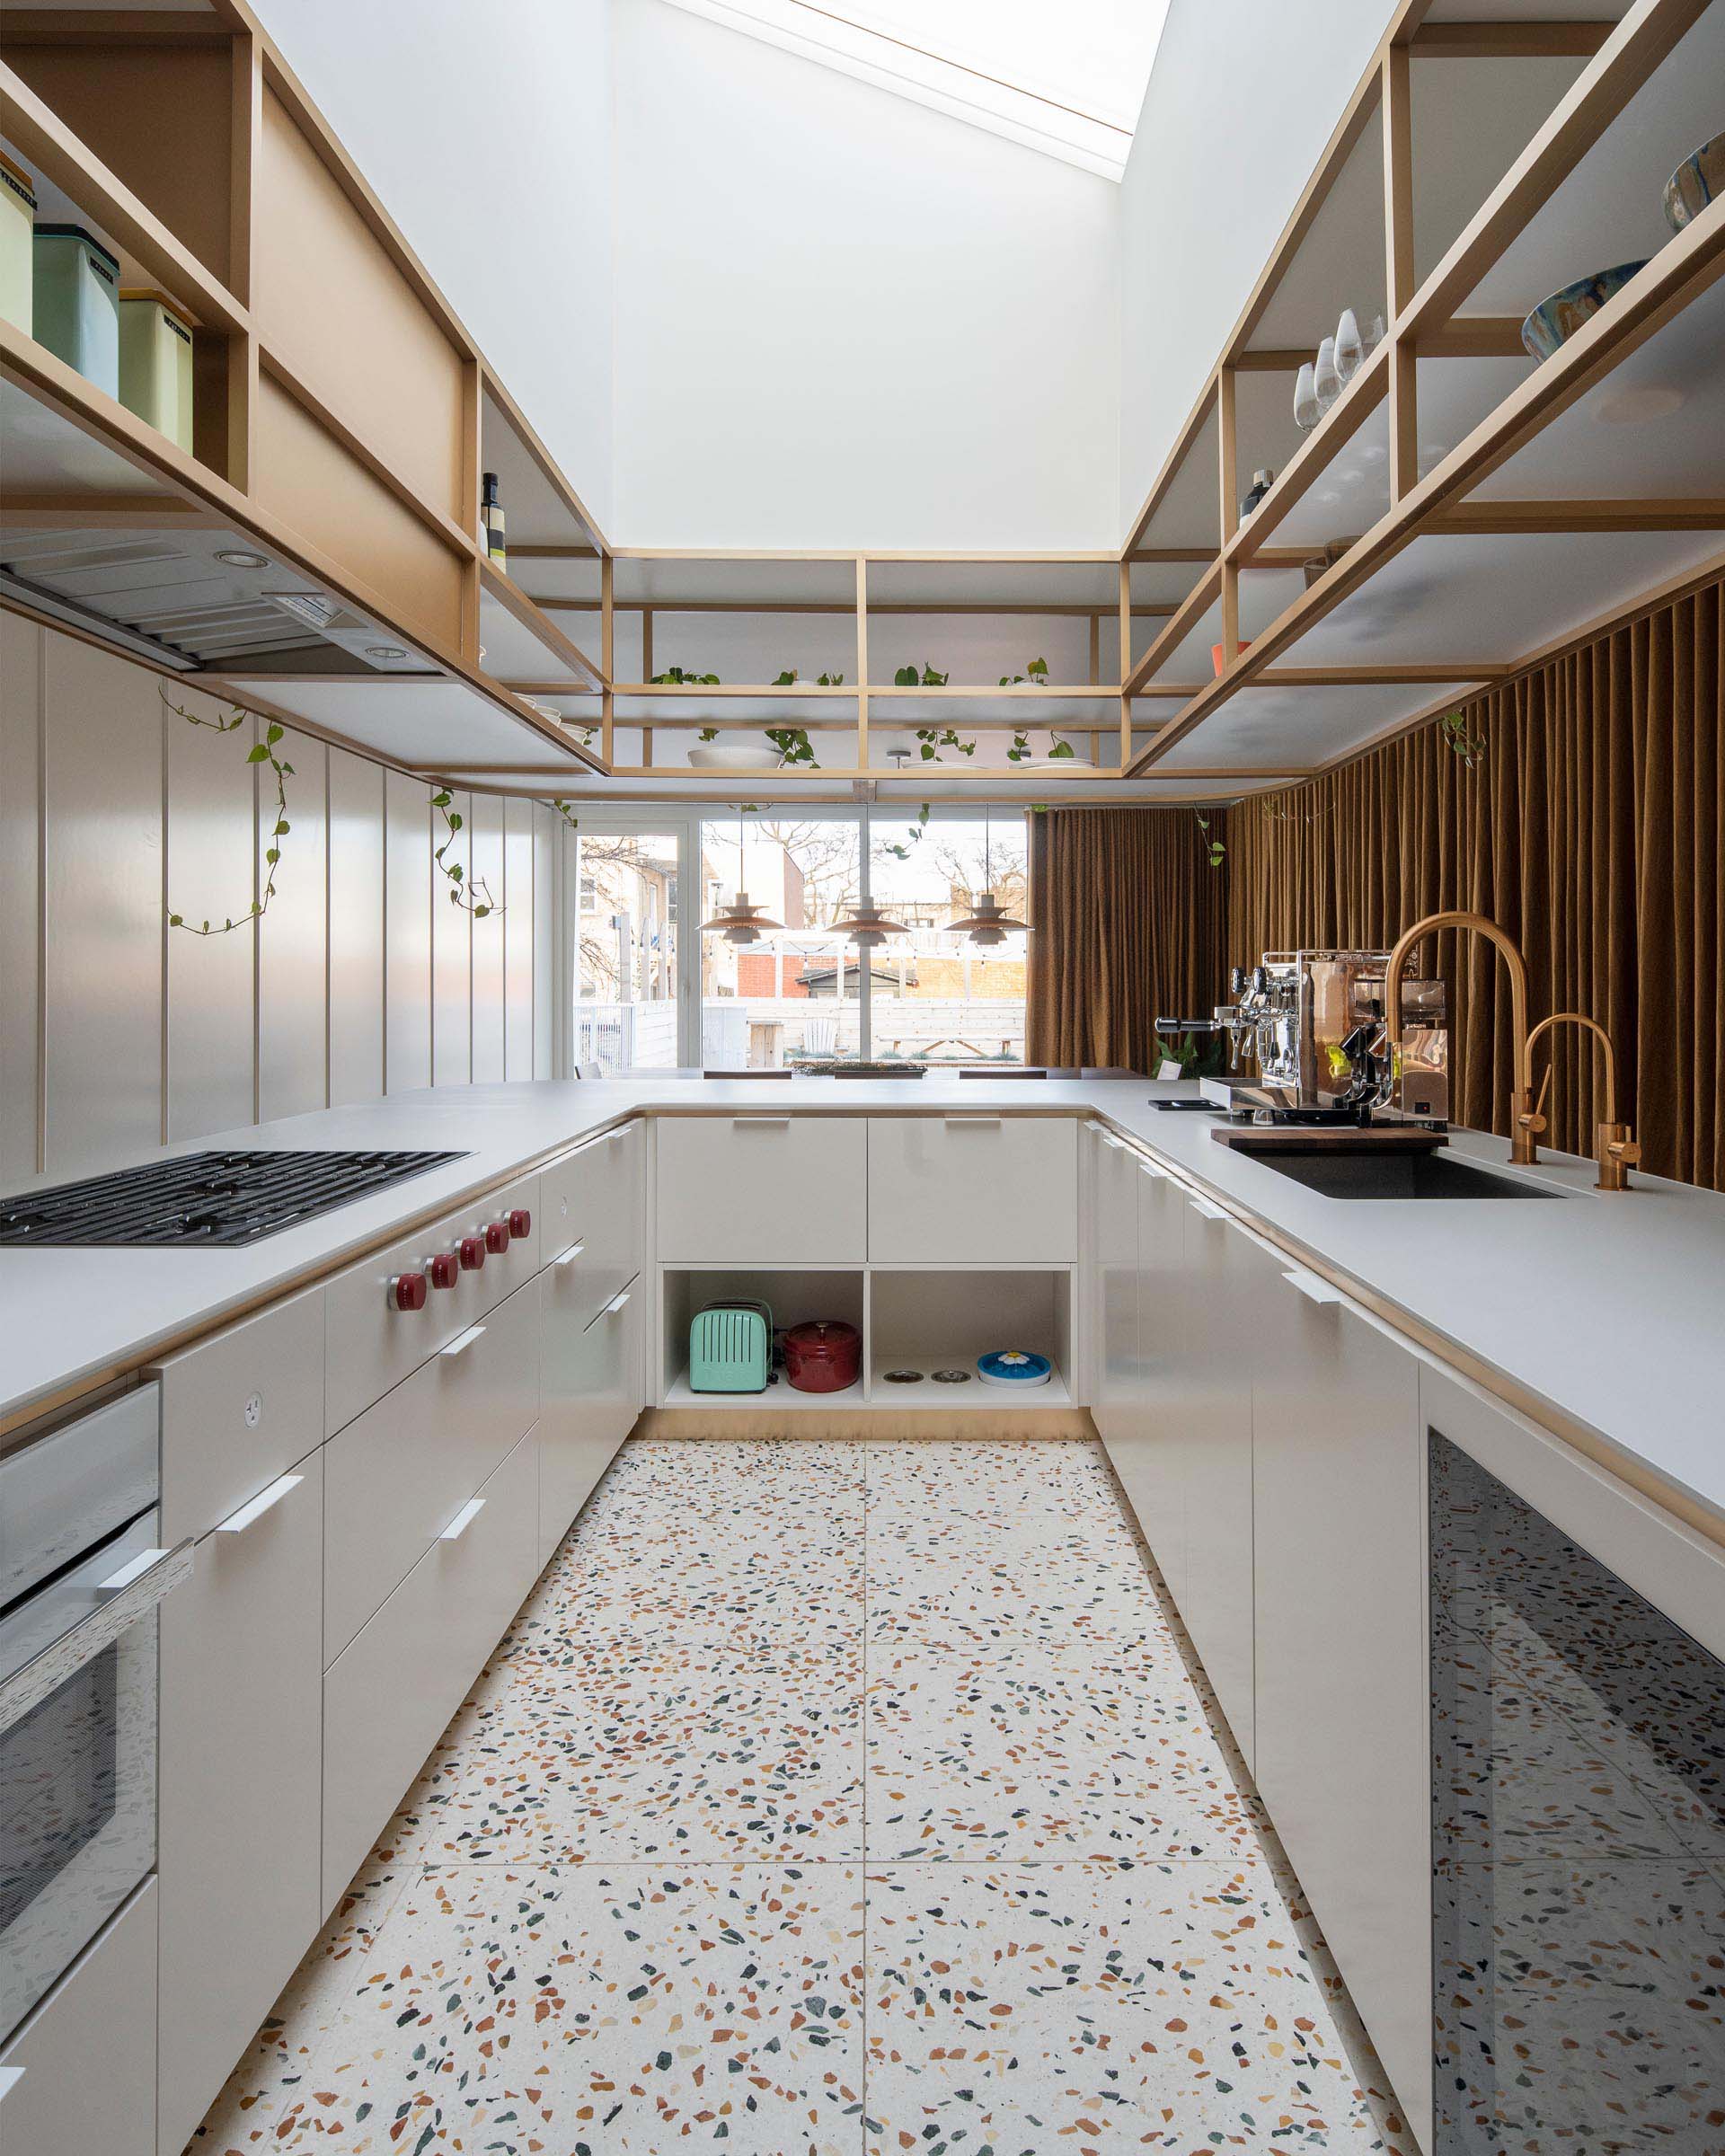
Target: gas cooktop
{"type": "Point", "coordinates": [218, 1199]}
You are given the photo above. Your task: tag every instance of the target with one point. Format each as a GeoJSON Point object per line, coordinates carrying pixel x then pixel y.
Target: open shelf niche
{"type": "Point", "coordinates": [794, 1297]}
{"type": "Point", "coordinates": [930, 1321]}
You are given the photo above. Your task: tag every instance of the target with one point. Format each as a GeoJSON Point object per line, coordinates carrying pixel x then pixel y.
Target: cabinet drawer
{"type": "Point", "coordinates": [591, 1395]}
{"type": "Point", "coordinates": [237, 1410]}
{"type": "Point", "coordinates": [593, 1204]}
{"type": "Point", "coordinates": [388, 1696]}
{"type": "Point", "coordinates": [399, 1473]}
{"type": "Point", "coordinates": [762, 1189]}
{"type": "Point", "coordinates": [85, 2062]}
{"type": "Point", "coordinates": [241, 1706]}
{"type": "Point", "coordinates": [370, 1345]}
{"type": "Point", "coordinates": [973, 1189]}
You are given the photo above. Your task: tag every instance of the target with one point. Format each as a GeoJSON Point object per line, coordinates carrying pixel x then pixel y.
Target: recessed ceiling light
{"type": "Point", "coordinates": [384, 651]}
{"type": "Point", "coordinates": [237, 557]}
{"type": "Point", "coordinates": [1629, 407]}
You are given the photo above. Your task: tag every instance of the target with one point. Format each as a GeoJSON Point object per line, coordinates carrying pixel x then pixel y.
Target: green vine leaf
{"type": "Point", "coordinates": [260, 751]}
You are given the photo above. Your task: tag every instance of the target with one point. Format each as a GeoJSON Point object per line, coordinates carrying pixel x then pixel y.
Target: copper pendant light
{"type": "Point", "coordinates": [740, 921]}
{"type": "Point", "coordinates": [866, 925]}
{"type": "Point", "coordinates": [988, 925]}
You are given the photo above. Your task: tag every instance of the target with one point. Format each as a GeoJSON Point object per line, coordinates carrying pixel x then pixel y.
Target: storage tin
{"type": "Point", "coordinates": [17, 244]}
{"type": "Point", "coordinates": [156, 363]}
{"type": "Point", "coordinates": [74, 310]}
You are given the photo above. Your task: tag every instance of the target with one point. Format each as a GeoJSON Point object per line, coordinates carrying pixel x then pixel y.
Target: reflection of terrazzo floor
{"type": "Point", "coordinates": [823, 1797]}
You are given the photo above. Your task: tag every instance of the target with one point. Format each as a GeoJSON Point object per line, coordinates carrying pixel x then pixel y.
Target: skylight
{"type": "Point", "coordinates": [1067, 79]}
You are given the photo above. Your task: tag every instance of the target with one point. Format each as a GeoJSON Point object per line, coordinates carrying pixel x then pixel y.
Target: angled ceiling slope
{"type": "Point", "coordinates": [1068, 80]}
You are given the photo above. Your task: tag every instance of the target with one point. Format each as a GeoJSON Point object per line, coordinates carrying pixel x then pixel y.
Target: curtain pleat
{"type": "Point", "coordinates": [1588, 822]}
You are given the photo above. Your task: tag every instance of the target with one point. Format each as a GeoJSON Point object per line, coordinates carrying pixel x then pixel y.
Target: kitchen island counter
{"type": "Point", "coordinates": [1599, 1314]}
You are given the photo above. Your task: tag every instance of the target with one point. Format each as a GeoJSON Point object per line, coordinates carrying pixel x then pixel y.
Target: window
{"type": "Point", "coordinates": [802, 996]}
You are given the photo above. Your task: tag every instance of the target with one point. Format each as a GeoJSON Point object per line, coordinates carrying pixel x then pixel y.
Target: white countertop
{"type": "Point", "coordinates": [1611, 1309]}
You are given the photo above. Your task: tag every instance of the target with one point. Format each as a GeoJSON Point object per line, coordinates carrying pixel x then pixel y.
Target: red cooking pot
{"type": "Point", "coordinates": [824, 1355]}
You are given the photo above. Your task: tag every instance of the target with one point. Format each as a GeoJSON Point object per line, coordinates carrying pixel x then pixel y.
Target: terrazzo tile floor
{"type": "Point", "coordinates": [824, 1798]}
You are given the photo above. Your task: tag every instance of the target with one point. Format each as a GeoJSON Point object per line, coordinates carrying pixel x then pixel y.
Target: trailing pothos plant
{"type": "Point", "coordinates": [912, 837]}
{"type": "Point", "coordinates": [1215, 849]}
{"type": "Point", "coordinates": [932, 739]}
{"type": "Point", "coordinates": [281, 771]}
{"type": "Point", "coordinates": [681, 678]}
{"type": "Point", "coordinates": [471, 894]}
{"type": "Point", "coordinates": [907, 677]}
{"type": "Point", "coordinates": [1460, 741]}
{"type": "Point", "coordinates": [1036, 675]}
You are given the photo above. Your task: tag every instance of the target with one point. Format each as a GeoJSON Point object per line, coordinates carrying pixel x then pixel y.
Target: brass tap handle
{"type": "Point", "coordinates": [1534, 1119]}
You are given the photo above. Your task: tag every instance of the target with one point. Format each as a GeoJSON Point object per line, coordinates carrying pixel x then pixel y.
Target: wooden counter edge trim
{"type": "Point", "coordinates": [1638, 1475]}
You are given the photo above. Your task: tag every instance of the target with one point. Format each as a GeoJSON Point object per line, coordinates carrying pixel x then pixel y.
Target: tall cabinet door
{"type": "Point", "coordinates": [590, 1397]}
{"type": "Point", "coordinates": [1227, 1274]}
{"type": "Point", "coordinates": [241, 1786]}
{"type": "Point", "coordinates": [1145, 1444]}
{"type": "Point", "coordinates": [1342, 1680]}
{"type": "Point", "coordinates": [1114, 1281]}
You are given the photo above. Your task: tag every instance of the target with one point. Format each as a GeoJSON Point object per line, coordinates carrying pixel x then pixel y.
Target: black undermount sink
{"type": "Point", "coordinates": [1397, 1175]}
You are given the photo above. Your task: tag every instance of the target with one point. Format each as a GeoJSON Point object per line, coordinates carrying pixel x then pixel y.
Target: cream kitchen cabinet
{"type": "Point", "coordinates": [591, 1387]}
{"type": "Point", "coordinates": [399, 1473]}
{"type": "Point", "coordinates": [766, 1189]}
{"type": "Point", "coordinates": [1110, 1281]}
{"type": "Point", "coordinates": [1147, 1443]}
{"type": "Point", "coordinates": [971, 1189]}
{"type": "Point", "coordinates": [388, 1695]}
{"type": "Point", "coordinates": [592, 1218]}
{"type": "Point", "coordinates": [79, 2078]}
{"type": "Point", "coordinates": [240, 1842]}
{"type": "Point", "coordinates": [1342, 1668]}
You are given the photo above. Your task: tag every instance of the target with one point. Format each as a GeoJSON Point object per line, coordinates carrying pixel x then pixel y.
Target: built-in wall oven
{"type": "Point", "coordinates": [81, 1577]}
{"type": "Point", "coordinates": [1579, 1841]}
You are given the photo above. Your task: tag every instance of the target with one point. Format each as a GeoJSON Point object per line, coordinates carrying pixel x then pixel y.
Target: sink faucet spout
{"type": "Point", "coordinates": [1614, 1146]}
{"type": "Point", "coordinates": [1523, 1150]}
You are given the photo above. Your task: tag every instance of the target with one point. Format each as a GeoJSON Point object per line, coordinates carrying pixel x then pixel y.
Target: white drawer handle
{"type": "Point", "coordinates": [762, 1122]}
{"type": "Point", "coordinates": [266, 1500]}
{"type": "Point", "coordinates": [462, 1342]}
{"type": "Point", "coordinates": [1203, 1205]}
{"type": "Point", "coordinates": [569, 1256]}
{"type": "Point", "coordinates": [1313, 1289]}
{"type": "Point", "coordinates": [463, 1520]}
{"type": "Point", "coordinates": [135, 1568]}
{"type": "Point", "coordinates": [978, 1123]}
{"type": "Point", "coordinates": [1108, 1138]}
{"type": "Point", "coordinates": [10, 2076]}
{"type": "Point", "coordinates": [617, 1304]}
{"type": "Point", "coordinates": [1156, 1175]}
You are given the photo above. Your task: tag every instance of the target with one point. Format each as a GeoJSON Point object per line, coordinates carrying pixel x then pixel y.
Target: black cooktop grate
{"type": "Point", "coordinates": [219, 1199]}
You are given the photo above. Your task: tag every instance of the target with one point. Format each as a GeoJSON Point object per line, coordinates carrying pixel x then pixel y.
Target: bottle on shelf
{"type": "Point", "coordinates": [491, 522]}
{"type": "Point", "coordinates": [1261, 483]}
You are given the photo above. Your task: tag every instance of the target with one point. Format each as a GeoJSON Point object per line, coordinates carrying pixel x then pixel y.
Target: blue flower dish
{"type": "Point", "coordinates": [1557, 319]}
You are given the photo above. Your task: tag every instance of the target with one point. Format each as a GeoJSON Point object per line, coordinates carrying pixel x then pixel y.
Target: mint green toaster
{"type": "Point", "coordinates": [730, 1347]}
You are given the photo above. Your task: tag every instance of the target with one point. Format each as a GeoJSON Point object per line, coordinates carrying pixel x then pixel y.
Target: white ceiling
{"type": "Point", "coordinates": [1067, 80]}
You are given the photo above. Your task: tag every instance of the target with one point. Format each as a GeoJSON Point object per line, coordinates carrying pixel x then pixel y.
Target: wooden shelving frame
{"type": "Point", "coordinates": [287, 425]}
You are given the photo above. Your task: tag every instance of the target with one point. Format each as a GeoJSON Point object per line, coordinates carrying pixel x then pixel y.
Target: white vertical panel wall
{"type": "Point", "coordinates": [486, 829]}
{"type": "Point", "coordinates": [116, 1032]}
{"type": "Point", "coordinates": [452, 960]}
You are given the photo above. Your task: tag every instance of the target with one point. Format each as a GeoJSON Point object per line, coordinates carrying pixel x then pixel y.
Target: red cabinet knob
{"type": "Point", "coordinates": [472, 1252]}
{"type": "Point", "coordinates": [497, 1237]}
{"type": "Point", "coordinates": [520, 1221]}
{"type": "Point", "coordinates": [407, 1291]}
{"type": "Point", "coordinates": [445, 1269]}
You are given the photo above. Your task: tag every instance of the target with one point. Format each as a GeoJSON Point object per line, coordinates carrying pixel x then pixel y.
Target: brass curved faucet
{"type": "Point", "coordinates": [1614, 1146]}
{"type": "Point", "coordinates": [1523, 1150]}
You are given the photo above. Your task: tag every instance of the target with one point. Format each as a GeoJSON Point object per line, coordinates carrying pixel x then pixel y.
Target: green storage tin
{"type": "Point", "coordinates": [74, 310]}
{"type": "Point", "coordinates": [17, 244]}
{"type": "Point", "coordinates": [730, 1347]}
{"type": "Point", "coordinates": [156, 363]}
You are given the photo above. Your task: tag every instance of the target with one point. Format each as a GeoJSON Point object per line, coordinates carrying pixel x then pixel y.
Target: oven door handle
{"type": "Point", "coordinates": [27, 1687]}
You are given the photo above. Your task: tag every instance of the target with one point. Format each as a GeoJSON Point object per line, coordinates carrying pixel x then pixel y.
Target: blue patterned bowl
{"type": "Point", "coordinates": [1698, 181]}
{"type": "Point", "coordinates": [1558, 318]}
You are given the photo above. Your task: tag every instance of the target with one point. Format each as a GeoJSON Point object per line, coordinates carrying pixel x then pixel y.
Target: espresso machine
{"type": "Point", "coordinates": [1313, 1024]}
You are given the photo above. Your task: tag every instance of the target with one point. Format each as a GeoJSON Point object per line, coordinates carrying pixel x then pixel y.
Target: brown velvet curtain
{"type": "Point", "coordinates": [1129, 923]}
{"type": "Point", "coordinates": [1589, 820]}
{"type": "Point", "coordinates": [1589, 823]}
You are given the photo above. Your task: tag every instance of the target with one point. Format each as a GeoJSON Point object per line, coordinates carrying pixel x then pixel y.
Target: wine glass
{"type": "Point", "coordinates": [1308, 411]}
{"type": "Point", "coordinates": [1325, 379]}
{"type": "Point", "coordinates": [1349, 354]}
